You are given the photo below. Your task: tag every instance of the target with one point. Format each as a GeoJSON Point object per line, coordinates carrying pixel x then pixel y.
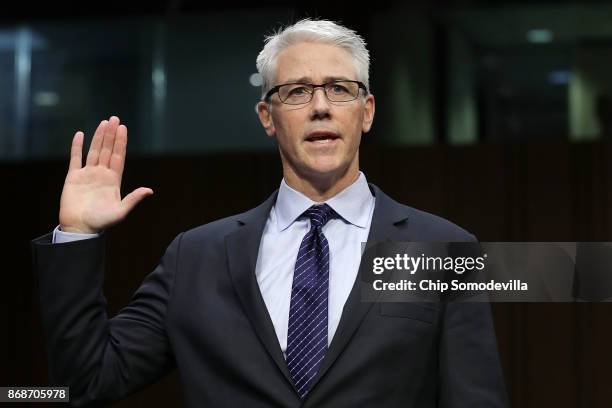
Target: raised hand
{"type": "Point", "coordinates": [91, 198]}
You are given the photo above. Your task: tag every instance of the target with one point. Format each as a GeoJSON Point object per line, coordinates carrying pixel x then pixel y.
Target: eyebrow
{"type": "Point", "coordinates": [308, 79]}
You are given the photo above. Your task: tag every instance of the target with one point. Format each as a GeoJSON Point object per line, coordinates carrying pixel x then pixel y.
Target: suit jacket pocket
{"type": "Point", "coordinates": [411, 310]}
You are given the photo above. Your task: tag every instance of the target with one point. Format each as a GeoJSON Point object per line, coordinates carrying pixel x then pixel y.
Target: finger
{"type": "Point", "coordinates": [108, 142]}
{"type": "Point", "coordinates": [117, 159]}
{"type": "Point", "coordinates": [96, 142]}
{"type": "Point", "coordinates": [129, 201]}
{"type": "Point", "coordinates": [76, 151]}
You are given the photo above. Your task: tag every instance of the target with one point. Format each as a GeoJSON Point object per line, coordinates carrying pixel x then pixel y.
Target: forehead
{"type": "Point", "coordinates": [313, 62]}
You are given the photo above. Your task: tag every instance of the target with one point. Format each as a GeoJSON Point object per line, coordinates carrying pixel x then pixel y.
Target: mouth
{"type": "Point", "coordinates": [322, 137]}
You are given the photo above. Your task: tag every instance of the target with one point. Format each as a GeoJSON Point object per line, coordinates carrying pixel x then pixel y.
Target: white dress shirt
{"type": "Point", "coordinates": [280, 242]}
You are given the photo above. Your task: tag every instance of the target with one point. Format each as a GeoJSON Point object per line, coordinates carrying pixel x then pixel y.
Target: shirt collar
{"type": "Point", "coordinates": [352, 203]}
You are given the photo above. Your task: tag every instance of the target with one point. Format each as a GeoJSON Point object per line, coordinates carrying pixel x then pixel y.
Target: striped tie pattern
{"type": "Point", "coordinates": [307, 334]}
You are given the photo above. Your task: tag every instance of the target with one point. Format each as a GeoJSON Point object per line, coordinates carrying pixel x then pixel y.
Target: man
{"type": "Point", "coordinates": [263, 309]}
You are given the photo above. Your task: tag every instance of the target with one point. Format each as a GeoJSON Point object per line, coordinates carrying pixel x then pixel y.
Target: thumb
{"type": "Point", "coordinates": [129, 201]}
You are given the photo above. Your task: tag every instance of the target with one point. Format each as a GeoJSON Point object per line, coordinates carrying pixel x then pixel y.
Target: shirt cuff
{"type": "Point", "coordinates": [59, 236]}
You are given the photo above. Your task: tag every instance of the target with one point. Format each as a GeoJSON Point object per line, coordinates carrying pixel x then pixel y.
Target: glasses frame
{"type": "Point", "coordinates": [275, 89]}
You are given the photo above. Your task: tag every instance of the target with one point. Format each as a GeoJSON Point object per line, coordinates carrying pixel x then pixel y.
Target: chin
{"type": "Point", "coordinates": [323, 169]}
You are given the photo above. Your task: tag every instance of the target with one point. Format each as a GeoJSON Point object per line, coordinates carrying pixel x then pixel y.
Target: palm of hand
{"type": "Point", "coordinates": [91, 197]}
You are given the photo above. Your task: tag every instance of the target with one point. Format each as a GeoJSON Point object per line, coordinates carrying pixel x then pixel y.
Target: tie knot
{"type": "Point", "coordinates": [319, 214]}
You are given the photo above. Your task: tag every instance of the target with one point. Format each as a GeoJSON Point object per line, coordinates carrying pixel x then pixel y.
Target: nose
{"type": "Point", "coordinates": [320, 104]}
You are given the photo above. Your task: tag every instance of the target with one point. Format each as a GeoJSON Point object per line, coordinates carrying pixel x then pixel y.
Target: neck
{"type": "Point", "coordinates": [320, 188]}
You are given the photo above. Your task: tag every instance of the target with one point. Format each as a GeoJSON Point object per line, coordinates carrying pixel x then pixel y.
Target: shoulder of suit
{"type": "Point", "coordinates": [425, 226]}
{"type": "Point", "coordinates": [219, 229]}
{"type": "Point", "coordinates": [433, 227]}
{"type": "Point", "coordinates": [215, 229]}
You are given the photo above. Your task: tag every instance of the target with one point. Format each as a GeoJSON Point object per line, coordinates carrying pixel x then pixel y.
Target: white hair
{"type": "Point", "coordinates": [318, 31]}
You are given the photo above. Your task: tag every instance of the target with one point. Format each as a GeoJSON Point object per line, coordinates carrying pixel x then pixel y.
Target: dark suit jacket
{"type": "Point", "coordinates": [201, 311]}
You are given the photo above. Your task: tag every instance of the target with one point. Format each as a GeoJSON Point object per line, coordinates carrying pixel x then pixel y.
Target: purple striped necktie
{"type": "Point", "coordinates": [307, 333]}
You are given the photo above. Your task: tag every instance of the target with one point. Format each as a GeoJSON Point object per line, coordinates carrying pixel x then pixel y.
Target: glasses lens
{"type": "Point", "coordinates": [342, 91]}
{"type": "Point", "coordinates": [295, 94]}
{"type": "Point", "coordinates": [338, 91]}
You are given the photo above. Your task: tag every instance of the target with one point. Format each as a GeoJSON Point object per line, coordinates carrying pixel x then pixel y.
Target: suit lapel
{"type": "Point", "coordinates": [385, 226]}
{"type": "Point", "coordinates": [242, 249]}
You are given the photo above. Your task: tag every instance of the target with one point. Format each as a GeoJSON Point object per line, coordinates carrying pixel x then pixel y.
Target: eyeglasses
{"type": "Point", "coordinates": [297, 93]}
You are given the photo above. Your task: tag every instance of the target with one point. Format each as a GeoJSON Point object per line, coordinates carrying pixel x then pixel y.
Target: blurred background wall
{"type": "Point", "coordinates": [496, 116]}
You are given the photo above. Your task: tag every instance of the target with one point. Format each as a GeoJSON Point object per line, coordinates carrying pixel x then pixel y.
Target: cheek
{"type": "Point", "coordinates": [285, 122]}
{"type": "Point", "coordinates": [354, 126]}
{"type": "Point", "coordinates": [286, 139]}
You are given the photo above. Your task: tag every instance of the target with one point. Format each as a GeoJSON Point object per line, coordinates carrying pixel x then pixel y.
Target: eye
{"type": "Point", "coordinates": [339, 89]}
{"type": "Point", "coordinates": [298, 91]}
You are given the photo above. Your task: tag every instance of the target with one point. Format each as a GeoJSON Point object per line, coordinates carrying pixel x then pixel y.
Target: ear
{"type": "Point", "coordinates": [368, 113]}
{"type": "Point", "coordinates": [265, 117]}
